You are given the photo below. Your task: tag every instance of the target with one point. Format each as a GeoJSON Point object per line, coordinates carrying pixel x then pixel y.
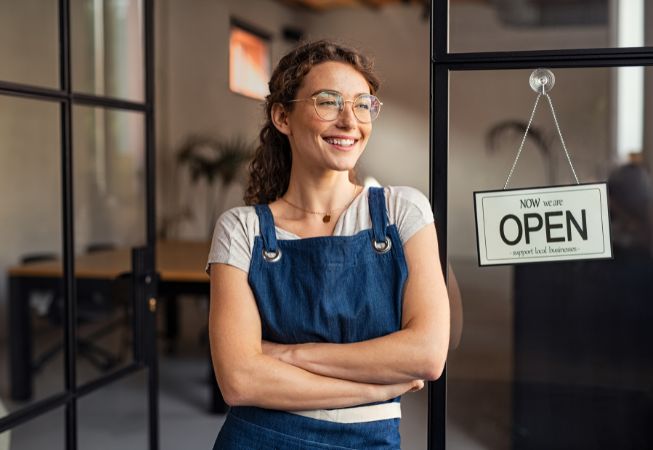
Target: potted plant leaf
{"type": "Point", "coordinates": [217, 161]}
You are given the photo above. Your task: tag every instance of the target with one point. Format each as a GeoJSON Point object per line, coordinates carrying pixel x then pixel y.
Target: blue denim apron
{"type": "Point", "coordinates": [337, 289]}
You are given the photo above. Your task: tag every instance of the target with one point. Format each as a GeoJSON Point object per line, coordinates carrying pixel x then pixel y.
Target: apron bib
{"type": "Point", "coordinates": [338, 289]}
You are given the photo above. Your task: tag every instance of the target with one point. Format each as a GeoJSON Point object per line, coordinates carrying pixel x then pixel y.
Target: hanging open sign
{"type": "Point", "coordinates": [555, 223]}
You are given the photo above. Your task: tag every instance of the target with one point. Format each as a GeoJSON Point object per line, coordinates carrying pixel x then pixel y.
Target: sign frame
{"type": "Point", "coordinates": [604, 215]}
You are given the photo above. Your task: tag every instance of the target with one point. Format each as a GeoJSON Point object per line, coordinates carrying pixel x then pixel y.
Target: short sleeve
{"type": "Point", "coordinates": [409, 210]}
{"type": "Point", "coordinates": [232, 239]}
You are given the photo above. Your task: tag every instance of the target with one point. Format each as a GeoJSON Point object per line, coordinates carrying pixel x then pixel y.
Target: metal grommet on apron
{"type": "Point", "coordinates": [383, 246]}
{"type": "Point", "coordinates": [271, 251]}
{"type": "Point", "coordinates": [338, 289]}
{"type": "Point", "coordinates": [272, 256]}
{"type": "Point", "coordinates": [381, 242]}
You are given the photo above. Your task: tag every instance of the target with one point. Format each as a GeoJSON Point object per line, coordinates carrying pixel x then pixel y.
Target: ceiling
{"type": "Point", "coordinates": [532, 13]}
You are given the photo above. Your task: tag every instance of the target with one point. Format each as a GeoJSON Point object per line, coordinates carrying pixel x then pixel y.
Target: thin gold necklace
{"type": "Point", "coordinates": [326, 216]}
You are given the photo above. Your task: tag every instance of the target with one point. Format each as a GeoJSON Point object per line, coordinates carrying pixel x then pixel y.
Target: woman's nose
{"type": "Point", "coordinates": [346, 118]}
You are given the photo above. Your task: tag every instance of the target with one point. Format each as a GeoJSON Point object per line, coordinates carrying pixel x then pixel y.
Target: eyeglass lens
{"type": "Point", "coordinates": [328, 106]}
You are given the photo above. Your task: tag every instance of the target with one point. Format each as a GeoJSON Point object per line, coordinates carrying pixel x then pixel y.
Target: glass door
{"type": "Point", "coordinates": [77, 272]}
{"type": "Point", "coordinates": [552, 355]}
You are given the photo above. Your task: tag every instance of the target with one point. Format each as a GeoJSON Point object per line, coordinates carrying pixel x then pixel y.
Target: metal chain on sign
{"type": "Point", "coordinates": [541, 81]}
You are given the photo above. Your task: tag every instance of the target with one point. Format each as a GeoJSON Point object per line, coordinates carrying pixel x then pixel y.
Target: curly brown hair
{"type": "Point", "coordinates": [269, 171]}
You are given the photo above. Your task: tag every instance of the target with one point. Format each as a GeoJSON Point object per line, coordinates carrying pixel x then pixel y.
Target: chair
{"type": "Point", "coordinates": [97, 303]}
{"type": "Point", "coordinates": [40, 299]}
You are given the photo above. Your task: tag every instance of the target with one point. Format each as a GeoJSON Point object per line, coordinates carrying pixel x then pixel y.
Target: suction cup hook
{"type": "Point", "coordinates": [542, 80]}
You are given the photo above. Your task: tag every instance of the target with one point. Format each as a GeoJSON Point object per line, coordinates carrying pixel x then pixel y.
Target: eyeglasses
{"type": "Point", "coordinates": [329, 104]}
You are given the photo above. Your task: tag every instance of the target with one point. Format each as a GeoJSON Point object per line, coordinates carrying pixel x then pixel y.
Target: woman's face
{"type": "Point", "coordinates": [318, 144]}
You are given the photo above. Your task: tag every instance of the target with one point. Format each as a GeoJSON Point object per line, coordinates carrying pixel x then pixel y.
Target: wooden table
{"type": "Point", "coordinates": [180, 265]}
{"type": "Point", "coordinates": [176, 261]}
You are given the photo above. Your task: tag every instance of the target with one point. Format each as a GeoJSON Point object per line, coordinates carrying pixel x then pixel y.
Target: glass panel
{"type": "Point", "coordinates": [45, 431]}
{"type": "Point", "coordinates": [29, 57]}
{"type": "Point", "coordinates": [553, 355]}
{"type": "Point", "coordinates": [109, 184]}
{"type": "Point", "coordinates": [545, 25]}
{"type": "Point", "coordinates": [115, 416]}
{"type": "Point", "coordinates": [30, 269]}
{"type": "Point", "coordinates": [107, 48]}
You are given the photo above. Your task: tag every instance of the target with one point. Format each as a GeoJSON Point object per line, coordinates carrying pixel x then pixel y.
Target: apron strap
{"type": "Point", "coordinates": [378, 213]}
{"type": "Point", "coordinates": [266, 228]}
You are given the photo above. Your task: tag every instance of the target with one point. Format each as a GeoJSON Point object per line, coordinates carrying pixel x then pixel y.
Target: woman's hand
{"type": "Point", "coordinates": [395, 390]}
{"type": "Point", "coordinates": [416, 385]}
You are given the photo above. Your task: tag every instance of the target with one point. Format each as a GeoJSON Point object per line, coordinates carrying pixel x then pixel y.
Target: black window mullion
{"type": "Point", "coordinates": [439, 163]}
{"type": "Point", "coordinates": [28, 91]}
{"type": "Point", "coordinates": [107, 102]}
{"type": "Point", "coordinates": [69, 291]}
{"type": "Point", "coordinates": [147, 332]}
{"type": "Point", "coordinates": [576, 60]}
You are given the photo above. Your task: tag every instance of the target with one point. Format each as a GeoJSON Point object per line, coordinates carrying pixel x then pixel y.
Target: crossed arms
{"type": "Point", "coordinates": [254, 372]}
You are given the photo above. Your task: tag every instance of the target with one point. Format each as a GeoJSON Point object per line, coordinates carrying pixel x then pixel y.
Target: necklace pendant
{"type": "Point", "coordinates": [326, 218]}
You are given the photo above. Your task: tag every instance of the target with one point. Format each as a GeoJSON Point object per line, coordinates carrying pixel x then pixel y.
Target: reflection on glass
{"type": "Point", "coordinates": [107, 48]}
{"type": "Point", "coordinates": [44, 431]}
{"type": "Point", "coordinates": [30, 271]}
{"type": "Point", "coordinates": [109, 184]}
{"type": "Point", "coordinates": [29, 57]}
{"type": "Point", "coordinates": [553, 355]}
{"type": "Point", "coordinates": [545, 25]}
{"type": "Point", "coordinates": [119, 410]}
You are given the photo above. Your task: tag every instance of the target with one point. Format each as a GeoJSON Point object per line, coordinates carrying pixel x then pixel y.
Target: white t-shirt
{"type": "Point", "coordinates": [235, 230]}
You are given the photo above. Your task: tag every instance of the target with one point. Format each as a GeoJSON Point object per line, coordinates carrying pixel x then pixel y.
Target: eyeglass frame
{"type": "Point", "coordinates": [344, 102]}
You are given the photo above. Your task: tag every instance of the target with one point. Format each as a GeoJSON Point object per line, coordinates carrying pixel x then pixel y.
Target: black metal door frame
{"type": "Point", "coordinates": [442, 64]}
{"type": "Point", "coordinates": [143, 266]}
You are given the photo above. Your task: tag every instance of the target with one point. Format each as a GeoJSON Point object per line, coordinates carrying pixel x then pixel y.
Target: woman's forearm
{"type": "Point", "coordinates": [417, 351]}
{"type": "Point", "coordinates": [266, 382]}
{"type": "Point", "coordinates": [395, 358]}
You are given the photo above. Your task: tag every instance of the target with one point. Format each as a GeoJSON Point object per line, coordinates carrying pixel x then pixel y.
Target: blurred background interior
{"type": "Point", "coordinates": [552, 356]}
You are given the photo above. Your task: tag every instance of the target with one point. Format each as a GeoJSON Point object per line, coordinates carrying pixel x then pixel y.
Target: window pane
{"type": "Point", "coordinates": [45, 431]}
{"type": "Point", "coordinates": [30, 268]}
{"type": "Point", "coordinates": [553, 355]}
{"type": "Point", "coordinates": [109, 184]}
{"type": "Point", "coordinates": [27, 56]}
{"type": "Point", "coordinates": [115, 417]}
{"type": "Point", "coordinates": [546, 25]}
{"type": "Point", "coordinates": [107, 48]}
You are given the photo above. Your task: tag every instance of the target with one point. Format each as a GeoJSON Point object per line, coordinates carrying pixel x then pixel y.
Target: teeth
{"type": "Point", "coordinates": [340, 142]}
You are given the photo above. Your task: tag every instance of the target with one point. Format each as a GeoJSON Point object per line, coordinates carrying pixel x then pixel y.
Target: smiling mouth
{"type": "Point", "coordinates": [341, 142]}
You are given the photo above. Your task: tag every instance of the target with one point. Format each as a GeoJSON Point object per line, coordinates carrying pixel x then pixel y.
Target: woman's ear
{"type": "Point", "coordinates": [280, 118]}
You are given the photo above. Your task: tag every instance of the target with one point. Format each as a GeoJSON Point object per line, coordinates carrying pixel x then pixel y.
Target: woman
{"type": "Point", "coordinates": [327, 299]}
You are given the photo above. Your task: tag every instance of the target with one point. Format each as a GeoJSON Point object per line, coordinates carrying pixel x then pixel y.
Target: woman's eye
{"type": "Point", "coordinates": [327, 103]}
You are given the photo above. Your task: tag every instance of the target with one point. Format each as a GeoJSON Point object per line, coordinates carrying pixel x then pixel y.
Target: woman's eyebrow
{"type": "Point", "coordinates": [332, 91]}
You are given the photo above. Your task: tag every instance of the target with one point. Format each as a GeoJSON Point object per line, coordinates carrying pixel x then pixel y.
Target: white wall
{"type": "Point", "coordinates": [30, 200]}
{"type": "Point", "coordinates": [193, 97]}
{"type": "Point", "coordinates": [398, 38]}
{"type": "Point", "coordinates": [476, 27]}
